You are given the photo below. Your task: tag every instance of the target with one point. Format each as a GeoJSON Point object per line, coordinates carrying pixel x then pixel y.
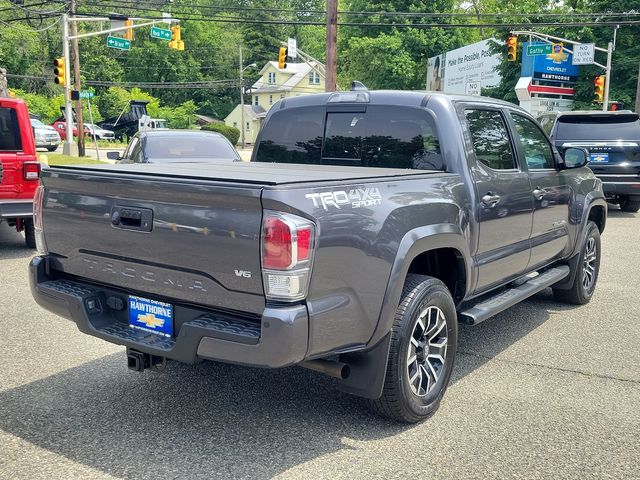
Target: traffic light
{"type": "Point", "coordinates": [176, 38]}
{"type": "Point", "coordinates": [512, 48]}
{"type": "Point", "coordinates": [598, 90]}
{"type": "Point", "coordinates": [615, 106]}
{"type": "Point", "coordinates": [283, 53]}
{"type": "Point", "coordinates": [128, 33]}
{"type": "Point", "coordinates": [59, 71]}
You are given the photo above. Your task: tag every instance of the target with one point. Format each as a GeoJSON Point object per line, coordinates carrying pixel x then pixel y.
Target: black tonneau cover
{"type": "Point", "coordinates": [253, 173]}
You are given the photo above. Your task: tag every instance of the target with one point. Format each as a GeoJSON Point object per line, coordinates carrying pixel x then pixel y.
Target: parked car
{"type": "Point", "coordinates": [98, 132]}
{"type": "Point", "coordinates": [60, 126]}
{"type": "Point", "coordinates": [20, 167]}
{"type": "Point", "coordinates": [613, 142]}
{"type": "Point", "coordinates": [363, 229]}
{"type": "Point", "coordinates": [45, 135]}
{"type": "Point", "coordinates": [177, 146]}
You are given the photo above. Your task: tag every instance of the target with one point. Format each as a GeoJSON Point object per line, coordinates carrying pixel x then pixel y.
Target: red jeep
{"type": "Point", "coordinates": [20, 172]}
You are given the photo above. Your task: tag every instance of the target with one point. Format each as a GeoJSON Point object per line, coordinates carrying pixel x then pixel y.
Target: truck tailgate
{"type": "Point", "coordinates": [194, 241]}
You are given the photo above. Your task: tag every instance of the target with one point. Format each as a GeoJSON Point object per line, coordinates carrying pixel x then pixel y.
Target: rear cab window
{"type": "Point", "coordinates": [378, 136]}
{"type": "Point", "coordinates": [10, 139]}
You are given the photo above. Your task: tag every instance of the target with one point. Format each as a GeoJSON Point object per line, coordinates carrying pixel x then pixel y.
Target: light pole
{"type": "Point", "coordinates": [242, 69]}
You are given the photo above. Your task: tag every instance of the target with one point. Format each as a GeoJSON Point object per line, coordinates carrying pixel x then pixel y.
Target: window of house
{"type": "Point", "coordinates": [272, 78]}
{"type": "Point", "coordinates": [235, 124]}
{"type": "Point", "coordinates": [281, 96]}
{"type": "Point", "coordinates": [255, 100]}
{"type": "Point", "coordinates": [248, 126]}
{"type": "Point", "coordinates": [270, 99]}
{"type": "Point", "coordinates": [314, 78]}
{"type": "Point", "coordinates": [490, 139]}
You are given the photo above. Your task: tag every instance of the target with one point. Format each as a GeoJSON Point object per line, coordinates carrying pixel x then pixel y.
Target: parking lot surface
{"type": "Point", "coordinates": [543, 390]}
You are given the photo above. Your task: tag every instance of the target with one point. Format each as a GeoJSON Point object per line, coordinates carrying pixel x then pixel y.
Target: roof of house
{"type": "Point", "coordinates": [298, 72]}
{"type": "Point", "coordinates": [252, 112]}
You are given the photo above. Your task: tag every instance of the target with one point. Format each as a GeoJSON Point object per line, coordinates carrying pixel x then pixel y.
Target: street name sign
{"type": "Point", "coordinates": [119, 43]}
{"type": "Point", "coordinates": [583, 54]}
{"type": "Point", "coordinates": [161, 33]}
{"type": "Point", "coordinates": [533, 50]}
{"type": "Point", "coordinates": [86, 94]}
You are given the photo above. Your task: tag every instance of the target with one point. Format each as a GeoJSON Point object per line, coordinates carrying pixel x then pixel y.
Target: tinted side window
{"type": "Point", "coordinates": [292, 136]}
{"type": "Point", "coordinates": [343, 138]}
{"type": "Point", "coordinates": [9, 131]}
{"type": "Point", "coordinates": [490, 139]}
{"type": "Point", "coordinates": [537, 150]}
{"type": "Point", "coordinates": [401, 138]}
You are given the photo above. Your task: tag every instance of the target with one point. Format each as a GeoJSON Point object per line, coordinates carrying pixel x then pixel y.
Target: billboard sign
{"type": "Point", "coordinates": [554, 67]}
{"type": "Point", "coordinates": [471, 64]}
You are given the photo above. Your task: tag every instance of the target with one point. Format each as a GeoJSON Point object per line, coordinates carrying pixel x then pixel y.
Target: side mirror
{"type": "Point", "coordinates": [113, 155]}
{"type": "Point", "coordinates": [575, 157]}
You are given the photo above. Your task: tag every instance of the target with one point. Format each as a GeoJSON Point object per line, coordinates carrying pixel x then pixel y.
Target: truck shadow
{"type": "Point", "coordinates": [12, 245]}
{"type": "Point", "coordinates": [214, 420]}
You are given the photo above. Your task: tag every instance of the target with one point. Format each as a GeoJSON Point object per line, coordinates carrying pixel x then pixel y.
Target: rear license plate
{"type": "Point", "coordinates": [151, 315]}
{"type": "Point", "coordinates": [599, 157]}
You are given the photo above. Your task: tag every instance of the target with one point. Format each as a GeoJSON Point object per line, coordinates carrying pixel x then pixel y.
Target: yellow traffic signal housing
{"type": "Point", "coordinates": [598, 90]}
{"type": "Point", "coordinates": [128, 33]}
{"type": "Point", "coordinates": [283, 53]}
{"type": "Point", "coordinates": [512, 48]}
{"type": "Point", "coordinates": [176, 38]}
{"type": "Point", "coordinates": [59, 71]}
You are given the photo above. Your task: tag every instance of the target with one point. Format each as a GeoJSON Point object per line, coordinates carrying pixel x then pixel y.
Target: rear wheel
{"type": "Point", "coordinates": [52, 148]}
{"type": "Point", "coordinates": [424, 339]}
{"type": "Point", "coordinates": [629, 205]}
{"type": "Point", "coordinates": [586, 276]}
{"type": "Point", "coordinates": [29, 233]}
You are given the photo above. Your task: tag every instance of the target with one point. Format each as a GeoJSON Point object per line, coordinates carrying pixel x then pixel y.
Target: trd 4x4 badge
{"type": "Point", "coordinates": [356, 198]}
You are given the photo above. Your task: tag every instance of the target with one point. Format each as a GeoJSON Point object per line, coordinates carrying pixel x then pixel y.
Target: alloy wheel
{"type": "Point", "coordinates": [589, 264]}
{"type": "Point", "coordinates": [427, 350]}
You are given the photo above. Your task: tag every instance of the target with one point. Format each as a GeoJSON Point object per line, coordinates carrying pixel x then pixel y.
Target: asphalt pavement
{"type": "Point", "coordinates": [543, 390]}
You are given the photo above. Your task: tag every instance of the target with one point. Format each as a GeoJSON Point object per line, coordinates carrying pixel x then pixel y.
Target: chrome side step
{"type": "Point", "coordinates": [493, 305]}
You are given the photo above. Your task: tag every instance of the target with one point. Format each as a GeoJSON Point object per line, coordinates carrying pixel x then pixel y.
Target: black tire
{"type": "Point", "coordinates": [52, 148]}
{"type": "Point", "coordinates": [400, 401]}
{"type": "Point", "coordinates": [582, 290]}
{"type": "Point", "coordinates": [628, 205]}
{"type": "Point", "coordinates": [29, 233]}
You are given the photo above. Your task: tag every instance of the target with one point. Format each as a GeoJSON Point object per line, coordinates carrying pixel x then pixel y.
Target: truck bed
{"type": "Point", "coordinates": [263, 174]}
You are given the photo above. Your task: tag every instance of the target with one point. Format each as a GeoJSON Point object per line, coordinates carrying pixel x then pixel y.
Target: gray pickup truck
{"type": "Point", "coordinates": [366, 226]}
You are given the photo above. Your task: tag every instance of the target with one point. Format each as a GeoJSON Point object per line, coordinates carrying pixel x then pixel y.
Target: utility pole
{"type": "Point", "coordinates": [638, 92]}
{"type": "Point", "coordinates": [241, 100]}
{"type": "Point", "coordinates": [607, 83]}
{"type": "Point", "coordinates": [332, 41]}
{"type": "Point", "coordinates": [3, 83]}
{"type": "Point", "coordinates": [69, 148]}
{"type": "Point", "coordinates": [76, 78]}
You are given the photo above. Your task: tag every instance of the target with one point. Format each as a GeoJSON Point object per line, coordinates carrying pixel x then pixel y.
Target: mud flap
{"type": "Point", "coordinates": [368, 370]}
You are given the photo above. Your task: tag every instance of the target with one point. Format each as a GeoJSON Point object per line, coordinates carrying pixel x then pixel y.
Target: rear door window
{"type": "Point", "coordinates": [490, 139]}
{"type": "Point", "coordinates": [10, 140]}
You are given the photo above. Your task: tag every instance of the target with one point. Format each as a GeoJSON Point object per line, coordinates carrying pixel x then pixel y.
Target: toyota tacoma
{"type": "Point", "coordinates": [367, 225]}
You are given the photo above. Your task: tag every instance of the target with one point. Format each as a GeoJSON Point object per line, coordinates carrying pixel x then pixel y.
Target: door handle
{"type": "Point", "coordinates": [538, 193]}
{"type": "Point", "coordinates": [491, 199]}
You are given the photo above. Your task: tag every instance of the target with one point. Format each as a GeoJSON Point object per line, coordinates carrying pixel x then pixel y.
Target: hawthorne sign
{"type": "Point", "coordinates": [86, 94]}
{"type": "Point", "coordinates": [161, 33]}
{"type": "Point", "coordinates": [533, 50]}
{"type": "Point", "coordinates": [119, 43]}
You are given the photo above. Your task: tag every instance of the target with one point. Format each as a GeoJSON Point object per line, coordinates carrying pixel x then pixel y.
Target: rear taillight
{"type": "Point", "coordinates": [31, 170]}
{"type": "Point", "coordinates": [38, 201]}
{"type": "Point", "coordinates": [287, 254]}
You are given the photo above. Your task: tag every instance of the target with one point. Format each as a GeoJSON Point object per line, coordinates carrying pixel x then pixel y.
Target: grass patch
{"type": "Point", "coordinates": [59, 159]}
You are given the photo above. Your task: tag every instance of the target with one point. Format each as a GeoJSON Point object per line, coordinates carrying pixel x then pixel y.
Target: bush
{"type": "Point", "coordinates": [232, 133]}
